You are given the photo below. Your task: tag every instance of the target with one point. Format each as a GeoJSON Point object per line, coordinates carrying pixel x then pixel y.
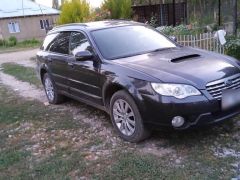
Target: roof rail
{"type": "Point", "coordinates": [72, 24]}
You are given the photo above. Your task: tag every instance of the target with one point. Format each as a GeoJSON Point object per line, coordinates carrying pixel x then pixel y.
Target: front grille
{"type": "Point", "coordinates": [217, 87]}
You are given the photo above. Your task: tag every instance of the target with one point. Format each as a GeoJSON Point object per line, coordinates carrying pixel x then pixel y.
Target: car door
{"type": "Point", "coordinates": [84, 77]}
{"type": "Point", "coordinates": [57, 60]}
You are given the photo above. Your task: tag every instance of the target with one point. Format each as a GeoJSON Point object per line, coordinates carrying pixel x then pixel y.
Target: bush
{"type": "Point", "coordinates": [13, 40]}
{"type": "Point", "coordinates": [30, 41]}
{"type": "Point", "coordinates": [3, 42]}
{"type": "Point", "coordinates": [179, 30]}
{"type": "Point", "coordinates": [153, 21]}
{"type": "Point", "coordinates": [232, 47]}
{"type": "Point", "coordinates": [167, 30]}
{"type": "Point", "coordinates": [10, 43]}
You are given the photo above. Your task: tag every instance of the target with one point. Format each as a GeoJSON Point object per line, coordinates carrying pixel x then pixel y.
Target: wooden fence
{"type": "Point", "coordinates": [204, 41]}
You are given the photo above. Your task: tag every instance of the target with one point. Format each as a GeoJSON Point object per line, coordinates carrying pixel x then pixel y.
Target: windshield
{"type": "Point", "coordinates": [128, 41]}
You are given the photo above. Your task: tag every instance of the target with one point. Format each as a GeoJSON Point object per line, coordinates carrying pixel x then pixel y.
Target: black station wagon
{"type": "Point", "coordinates": [143, 79]}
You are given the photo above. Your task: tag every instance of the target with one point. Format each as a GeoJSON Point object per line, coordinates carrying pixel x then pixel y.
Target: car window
{"type": "Point", "coordinates": [48, 40]}
{"type": "Point", "coordinates": [79, 42]}
{"type": "Point", "coordinates": [60, 43]}
{"type": "Point", "coordinates": [119, 42]}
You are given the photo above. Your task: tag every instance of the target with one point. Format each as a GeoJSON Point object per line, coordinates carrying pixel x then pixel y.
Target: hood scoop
{"type": "Point", "coordinates": [184, 58]}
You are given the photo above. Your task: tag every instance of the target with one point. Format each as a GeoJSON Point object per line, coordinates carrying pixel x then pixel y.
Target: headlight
{"type": "Point", "coordinates": [179, 91]}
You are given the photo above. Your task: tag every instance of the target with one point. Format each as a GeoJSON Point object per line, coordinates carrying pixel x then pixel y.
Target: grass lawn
{"type": "Point", "coordinates": [20, 46]}
{"type": "Point", "coordinates": [22, 73]}
{"type": "Point", "coordinates": [17, 48]}
{"type": "Point", "coordinates": [49, 142]}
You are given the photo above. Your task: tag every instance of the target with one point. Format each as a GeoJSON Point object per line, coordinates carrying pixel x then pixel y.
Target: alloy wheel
{"type": "Point", "coordinates": [124, 117]}
{"type": "Point", "coordinates": [49, 89]}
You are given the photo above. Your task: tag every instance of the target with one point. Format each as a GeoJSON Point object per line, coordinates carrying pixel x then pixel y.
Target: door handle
{"type": "Point", "coordinates": [49, 59]}
{"type": "Point", "coordinates": [71, 64]}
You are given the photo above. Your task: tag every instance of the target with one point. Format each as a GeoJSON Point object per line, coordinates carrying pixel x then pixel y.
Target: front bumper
{"type": "Point", "coordinates": [196, 110]}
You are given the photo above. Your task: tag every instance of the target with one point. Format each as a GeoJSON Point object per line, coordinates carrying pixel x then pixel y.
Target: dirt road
{"type": "Point", "coordinates": [20, 57]}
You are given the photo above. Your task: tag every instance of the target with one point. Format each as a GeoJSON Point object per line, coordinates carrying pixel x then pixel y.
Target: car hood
{"type": "Point", "coordinates": [183, 65]}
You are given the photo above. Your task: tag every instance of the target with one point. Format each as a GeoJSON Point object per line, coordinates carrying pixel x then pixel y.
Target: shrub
{"type": "Point", "coordinates": [167, 30]}
{"type": "Point", "coordinates": [30, 41]}
{"type": "Point", "coordinates": [153, 21]}
{"type": "Point", "coordinates": [179, 30]}
{"type": "Point", "coordinates": [11, 43]}
{"type": "Point", "coordinates": [12, 40]}
{"type": "Point", "coordinates": [232, 47]}
{"type": "Point", "coordinates": [3, 42]}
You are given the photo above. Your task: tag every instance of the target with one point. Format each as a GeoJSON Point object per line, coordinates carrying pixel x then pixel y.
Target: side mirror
{"type": "Point", "coordinates": [174, 38]}
{"type": "Point", "coordinates": [83, 56]}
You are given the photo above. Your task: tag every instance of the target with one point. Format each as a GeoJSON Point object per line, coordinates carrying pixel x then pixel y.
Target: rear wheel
{"type": "Point", "coordinates": [51, 91]}
{"type": "Point", "coordinates": [126, 118]}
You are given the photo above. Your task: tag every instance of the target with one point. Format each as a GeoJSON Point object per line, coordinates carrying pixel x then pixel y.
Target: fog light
{"type": "Point", "coordinates": [178, 121]}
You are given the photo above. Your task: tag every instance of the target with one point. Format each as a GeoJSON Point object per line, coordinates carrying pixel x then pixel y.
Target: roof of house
{"type": "Point", "coordinates": [17, 8]}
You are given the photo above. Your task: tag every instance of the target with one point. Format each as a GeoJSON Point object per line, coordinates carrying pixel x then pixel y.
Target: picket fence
{"type": "Point", "coordinates": [205, 41]}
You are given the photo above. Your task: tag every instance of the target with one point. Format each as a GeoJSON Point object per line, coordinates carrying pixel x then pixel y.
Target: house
{"type": "Point", "coordinates": [25, 19]}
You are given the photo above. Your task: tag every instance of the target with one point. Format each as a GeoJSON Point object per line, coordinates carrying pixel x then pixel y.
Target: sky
{"type": "Point", "coordinates": [93, 3]}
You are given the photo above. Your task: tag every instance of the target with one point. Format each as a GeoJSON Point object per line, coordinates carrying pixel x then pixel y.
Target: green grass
{"type": "Point", "coordinates": [56, 167]}
{"type": "Point", "coordinates": [197, 166]}
{"type": "Point", "coordinates": [10, 157]}
{"type": "Point", "coordinates": [130, 165]}
{"type": "Point", "coordinates": [193, 148]}
{"type": "Point", "coordinates": [22, 73]}
{"type": "Point", "coordinates": [20, 46]}
{"type": "Point", "coordinates": [14, 161]}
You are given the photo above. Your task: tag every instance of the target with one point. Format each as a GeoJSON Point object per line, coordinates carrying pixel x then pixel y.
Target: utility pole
{"type": "Point", "coordinates": [219, 13]}
{"type": "Point", "coordinates": [55, 4]}
{"type": "Point", "coordinates": [174, 14]}
{"type": "Point", "coordinates": [23, 8]}
{"type": "Point", "coordinates": [235, 18]}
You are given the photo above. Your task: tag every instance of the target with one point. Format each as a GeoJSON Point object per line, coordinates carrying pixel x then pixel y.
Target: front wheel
{"type": "Point", "coordinates": [51, 90]}
{"type": "Point", "coordinates": [126, 118]}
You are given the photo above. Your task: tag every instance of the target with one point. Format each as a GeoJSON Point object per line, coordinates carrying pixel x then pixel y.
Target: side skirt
{"type": "Point", "coordinates": [103, 108]}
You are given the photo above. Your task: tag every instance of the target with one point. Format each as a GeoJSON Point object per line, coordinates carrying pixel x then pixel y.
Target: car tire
{"type": "Point", "coordinates": [126, 118]}
{"type": "Point", "coordinates": [51, 91]}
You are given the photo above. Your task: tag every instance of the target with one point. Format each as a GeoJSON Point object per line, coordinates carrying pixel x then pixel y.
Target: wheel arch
{"type": "Point", "coordinates": [42, 70]}
{"type": "Point", "coordinates": [110, 88]}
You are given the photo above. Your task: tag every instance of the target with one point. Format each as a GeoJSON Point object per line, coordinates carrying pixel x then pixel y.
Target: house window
{"type": "Point", "coordinates": [13, 27]}
{"type": "Point", "coordinates": [44, 24]}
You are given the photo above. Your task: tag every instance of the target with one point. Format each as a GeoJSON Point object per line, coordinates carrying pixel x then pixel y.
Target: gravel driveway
{"type": "Point", "coordinates": [20, 57]}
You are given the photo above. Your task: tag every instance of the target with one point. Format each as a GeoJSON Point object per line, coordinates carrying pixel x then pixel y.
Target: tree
{"type": "Point", "coordinates": [74, 11]}
{"type": "Point", "coordinates": [118, 8]}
